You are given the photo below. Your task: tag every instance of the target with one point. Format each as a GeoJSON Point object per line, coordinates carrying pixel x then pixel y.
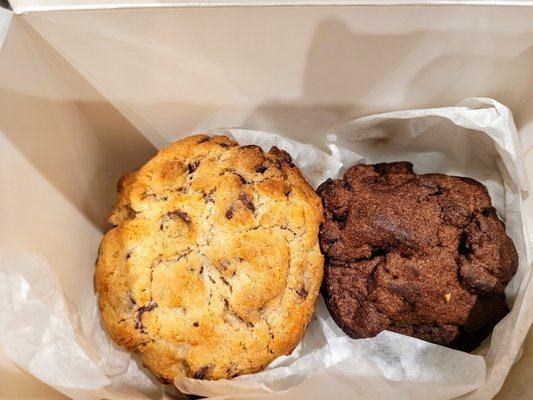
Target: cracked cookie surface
{"type": "Point", "coordinates": [213, 267]}
{"type": "Point", "coordinates": [422, 255]}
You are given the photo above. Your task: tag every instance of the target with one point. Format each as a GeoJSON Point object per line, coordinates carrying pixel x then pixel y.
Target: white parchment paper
{"type": "Point", "coordinates": [42, 334]}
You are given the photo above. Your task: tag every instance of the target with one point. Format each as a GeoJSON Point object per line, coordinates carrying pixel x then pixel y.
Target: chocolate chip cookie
{"type": "Point", "coordinates": [213, 266]}
{"type": "Point", "coordinates": [423, 255]}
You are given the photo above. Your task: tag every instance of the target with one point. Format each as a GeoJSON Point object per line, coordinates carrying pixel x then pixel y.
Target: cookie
{"type": "Point", "coordinates": [213, 267]}
{"type": "Point", "coordinates": [422, 255]}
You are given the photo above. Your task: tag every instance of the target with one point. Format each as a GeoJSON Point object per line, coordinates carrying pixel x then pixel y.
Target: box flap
{"type": "Point", "coordinates": [24, 6]}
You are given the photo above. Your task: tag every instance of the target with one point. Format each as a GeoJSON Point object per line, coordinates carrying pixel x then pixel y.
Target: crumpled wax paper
{"type": "Point", "coordinates": [70, 351]}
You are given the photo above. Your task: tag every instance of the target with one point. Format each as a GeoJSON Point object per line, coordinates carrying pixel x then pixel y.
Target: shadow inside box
{"type": "Point", "coordinates": [342, 67]}
{"type": "Point", "coordinates": [504, 77]}
{"type": "Point", "coordinates": [76, 139]}
{"type": "Point", "coordinates": [350, 74]}
{"type": "Point", "coordinates": [83, 163]}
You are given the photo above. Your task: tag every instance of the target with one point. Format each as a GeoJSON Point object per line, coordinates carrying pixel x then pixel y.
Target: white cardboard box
{"type": "Point", "coordinates": [87, 94]}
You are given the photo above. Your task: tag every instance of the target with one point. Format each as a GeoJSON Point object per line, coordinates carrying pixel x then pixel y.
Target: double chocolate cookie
{"type": "Point", "coordinates": [422, 255]}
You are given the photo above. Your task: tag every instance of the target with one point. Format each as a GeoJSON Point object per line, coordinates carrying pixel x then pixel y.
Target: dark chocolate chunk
{"type": "Point", "coordinates": [247, 201]}
{"type": "Point", "coordinates": [302, 292]}
{"type": "Point", "coordinates": [138, 317]}
{"type": "Point", "coordinates": [192, 166]}
{"type": "Point", "coordinates": [229, 213]}
{"type": "Point", "coordinates": [260, 168]}
{"type": "Point", "coordinates": [201, 373]}
{"type": "Point", "coordinates": [174, 215]}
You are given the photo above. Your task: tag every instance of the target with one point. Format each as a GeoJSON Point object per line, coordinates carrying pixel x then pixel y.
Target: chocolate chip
{"type": "Point", "coordinates": [131, 302]}
{"type": "Point", "coordinates": [281, 155]}
{"type": "Point", "coordinates": [345, 183]}
{"type": "Point", "coordinates": [174, 215]}
{"type": "Point", "coordinates": [302, 292]}
{"type": "Point", "coordinates": [251, 146]}
{"type": "Point", "coordinates": [192, 166]}
{"type": "Point", "coordinates": [241, 177]}
{"type": "Point", "coordinates": [147, 308]}
{"type": "Point", "coordinates": [226, 283]}
{"type": "Point", "coordinates": [128, 254]}
{"type": "Point", "coordinates": [130, 212]}
{"type": "Point", "coordinates": [260, 168]}
{"type": "Point", "coordinates": [209, 197]}
{"type": "Point", "coordinates": [140, 311]}
{"type": "Point", "coordinates": [248, 323]}
{"type": "Point", "coordinates": [154, 196]}
{"type": "Point", "coordinates": [489, 212]}
{"type": "Point", "coordinates": [245, 199]}
{"type": "Point", "coordinates": [229, 213]}
{"type": "Point", "coordinates": [463, 247]}
{"type": "Point", "coordinates": [179, 214]}
{"type": "Point", "coordinates": [204, 139]}
{"type": "Point", "coordinates": [224, 145]}
{"type": "Point", "coordinates": [201, 373]}
{"type": "Point", "coordinates": [223, 264]}
{"type": "Point", "coordinates": [340, 214]}
{"type": "Point", "coordinates": [196, 324]}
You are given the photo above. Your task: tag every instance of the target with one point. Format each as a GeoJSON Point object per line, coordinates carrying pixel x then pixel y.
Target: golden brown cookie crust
{"type": "Point", "coordinates": [213, 267]}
